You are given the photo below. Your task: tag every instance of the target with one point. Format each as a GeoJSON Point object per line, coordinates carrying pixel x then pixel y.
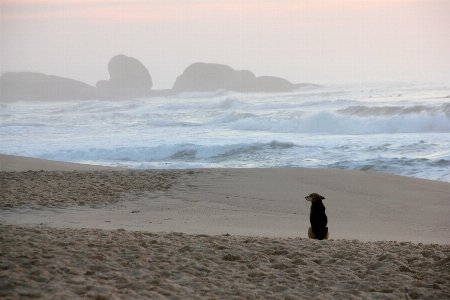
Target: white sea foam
{"type": "Point", "coordinates": [331, 123]}
{"type": "Point", "coordinates": [401, 129]}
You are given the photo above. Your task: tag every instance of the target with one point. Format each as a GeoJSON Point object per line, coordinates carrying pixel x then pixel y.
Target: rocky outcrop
{"type": "Point", "coordinates": [206, 77]}
{"type": "Point", "coordinates": [202, 77]}
{"type": "Point", "coordinates": [16, 86]}
{"type": "Point", "coordinates": [128, 78]}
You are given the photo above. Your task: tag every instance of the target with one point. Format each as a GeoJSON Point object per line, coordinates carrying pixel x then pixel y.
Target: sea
{"type": "Point", "coordinates": [392, 127]}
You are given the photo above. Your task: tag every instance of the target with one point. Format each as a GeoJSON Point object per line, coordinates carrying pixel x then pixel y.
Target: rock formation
{"type": "Point", "coordinates": [16, 86]}
{"type": "Point", "coordinates": [202, 77]}
{"type": "Point", "coordinates": [128, 78]}
{"type": "Point", "coordinates": [206, 77]}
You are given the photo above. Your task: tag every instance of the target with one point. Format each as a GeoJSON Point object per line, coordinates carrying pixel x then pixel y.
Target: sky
{"type": "Point", "coordinates": [318, 41]}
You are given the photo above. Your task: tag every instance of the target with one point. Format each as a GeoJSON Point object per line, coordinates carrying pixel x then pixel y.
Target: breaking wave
{"type": "Point", "coordinates": [400, 129]}
{"type": "Point", "coordinates": [389, 111]}
{"type": "Point", "coordinates": [165, 152]}
{"type": "Point", "coordinates": [331, 123]}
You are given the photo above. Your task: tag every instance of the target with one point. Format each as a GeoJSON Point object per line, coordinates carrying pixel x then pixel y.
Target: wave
{"type": "Point", "coordinates": [251, 103]}
{"type": "Point", "coordinates": [388, 111]}
{"type": "Point", "coordinates": [180, 152]}
{"type": "Point", "coordinates": [201, 104]}
{"type": "Point", "coordinates": [233, 117]}
{"type": "Point", "coordinates": [330, 123]}
{"type": "Point", "coordinates": [389, 158]}
{"type": "Point", "coordinates": [196, 95]}
{"type": "Point", "coordinates": [21, 124]}
{"type": "Point", "coordinates": [170, 123]}
{"type": "Point", "coordinates": [441, 163]}
{"type": "Point", "coordinates": [412, 167]}
{"type": "Point", "coordinates": [311, 117]}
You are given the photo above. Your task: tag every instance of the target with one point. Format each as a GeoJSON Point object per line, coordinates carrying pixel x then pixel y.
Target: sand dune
{"type": "Point", "coordinates": [218, 233]}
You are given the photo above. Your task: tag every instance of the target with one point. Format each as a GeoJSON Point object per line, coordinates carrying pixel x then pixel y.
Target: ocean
{"type": "Point", "coordinates": [398, 128]}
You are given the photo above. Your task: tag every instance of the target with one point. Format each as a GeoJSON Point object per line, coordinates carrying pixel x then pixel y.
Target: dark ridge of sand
{"type": "Point", "coordinates": [37, 189]}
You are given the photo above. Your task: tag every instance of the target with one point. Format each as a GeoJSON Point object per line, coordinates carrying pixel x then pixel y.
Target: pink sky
{"type": "Point", "coordinates": [302, 41]}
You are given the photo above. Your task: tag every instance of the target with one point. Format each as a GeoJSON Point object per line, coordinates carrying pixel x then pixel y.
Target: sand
{"type": "Point", "coordinates": [103, 264]}
{"type": "Point", "coordinates": [218, 233]}
{"type": "Point", "coordinates": [19, 163]}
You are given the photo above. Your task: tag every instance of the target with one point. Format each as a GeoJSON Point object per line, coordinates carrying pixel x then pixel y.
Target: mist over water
{"type": "Point", "coordinates": [394, 128]}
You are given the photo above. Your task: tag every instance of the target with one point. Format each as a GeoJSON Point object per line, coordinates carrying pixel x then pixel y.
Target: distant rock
{"type": "Point", "coordinates": [246, 81]}
{"type": "Point", "coordinates": [128, 77]}
{"type": "Point", "coordinates": [207, 77]}
{"type": "Point", "coordinates": [202, 77]}
{"type": "Point", "coordinates": [16, 86]}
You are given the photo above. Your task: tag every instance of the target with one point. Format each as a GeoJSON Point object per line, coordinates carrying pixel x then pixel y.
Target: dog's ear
{"type": "Point", "coordinates": [317, 196]}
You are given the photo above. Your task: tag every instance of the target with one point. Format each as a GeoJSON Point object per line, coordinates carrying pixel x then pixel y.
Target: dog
{"type": "Point", "coordinates": [318, 218]}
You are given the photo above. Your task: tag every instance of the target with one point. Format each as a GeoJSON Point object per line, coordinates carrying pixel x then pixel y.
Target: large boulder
{"type": "Point", "coordinates": [128, 76]}
{"type": "Point", "coordinates": [203, 77]}
{"type": "Point", "coordinates": [16, 86]}
{"type": "Point", "coordinates": [207, 77]}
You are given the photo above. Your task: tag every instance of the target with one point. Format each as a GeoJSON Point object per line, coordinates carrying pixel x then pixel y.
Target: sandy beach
{"type": "Point", "coordinates": [79, 231]}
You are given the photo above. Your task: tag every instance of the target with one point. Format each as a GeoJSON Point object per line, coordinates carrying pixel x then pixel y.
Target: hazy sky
{"type": "Point", "coordinates": [302, 41]}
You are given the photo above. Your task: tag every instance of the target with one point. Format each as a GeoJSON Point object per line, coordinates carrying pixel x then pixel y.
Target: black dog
{"type": "Point", "coordinates": [317, 217]}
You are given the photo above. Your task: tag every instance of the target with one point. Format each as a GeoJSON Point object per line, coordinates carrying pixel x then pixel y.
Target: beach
{"type": "Point", "coordinates": [80, 231]}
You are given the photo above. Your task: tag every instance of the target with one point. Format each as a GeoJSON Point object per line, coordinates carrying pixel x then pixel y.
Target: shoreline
{"type": "Point", "coordinates": [366, 206]}
{"type": "Point", "coordinates": [14, 163]}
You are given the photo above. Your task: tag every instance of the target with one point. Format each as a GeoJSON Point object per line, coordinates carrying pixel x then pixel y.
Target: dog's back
{"type": "Point", "coordinates": [318, 219]}
{"type": "Point", "coordinates": [317, 216]}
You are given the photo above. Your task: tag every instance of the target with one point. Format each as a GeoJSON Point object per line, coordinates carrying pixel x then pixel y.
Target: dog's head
{"type": "Point", "coordinates": [313, 197]}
